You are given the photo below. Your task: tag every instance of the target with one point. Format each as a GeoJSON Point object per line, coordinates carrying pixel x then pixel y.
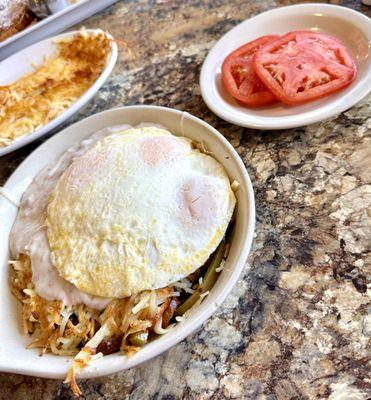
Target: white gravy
{"type": "Point", "coordinates": [28, 234]}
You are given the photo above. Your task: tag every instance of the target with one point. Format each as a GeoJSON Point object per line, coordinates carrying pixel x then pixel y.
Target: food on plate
{"type": "Point", "coordinates": [303, 65]}
{"type": "Point", "coordinates": [156, 226]}
{"type": "Point", "coordinates": [295, 68]}
{"type": "Point", "coordinates": [117, 240]}
{"type": "Point", "coordinates": [239, 76]}
{"type": "Point", "coordinates": [14, 17]}
{"type": "Point", "coordinates": [40, 96]}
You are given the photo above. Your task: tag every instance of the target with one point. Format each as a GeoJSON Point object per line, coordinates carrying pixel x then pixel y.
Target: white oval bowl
{"type": "Point", "coordinates": [23, 62]}
{"type": "Point", "coordinates": [14, 357]}
{"type": "Point", "coordinates": [351, 27]}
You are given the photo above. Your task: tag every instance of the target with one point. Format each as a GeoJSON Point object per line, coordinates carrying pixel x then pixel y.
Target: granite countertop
{"type": "Point", "coordinates": [297, 324]}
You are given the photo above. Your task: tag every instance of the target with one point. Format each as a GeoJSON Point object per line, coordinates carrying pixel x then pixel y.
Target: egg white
{"type": "Point", "coordinates": [138, 211]}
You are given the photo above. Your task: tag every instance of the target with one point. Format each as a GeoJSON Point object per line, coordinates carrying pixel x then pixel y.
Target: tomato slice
{"type": "Point", "coordinates": [239, 76]}
{"type": "Point", "coordinates": [303, 65]}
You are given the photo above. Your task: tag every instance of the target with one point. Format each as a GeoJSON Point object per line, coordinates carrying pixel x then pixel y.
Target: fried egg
{"type": "Point", "coordinates": [138, 211]}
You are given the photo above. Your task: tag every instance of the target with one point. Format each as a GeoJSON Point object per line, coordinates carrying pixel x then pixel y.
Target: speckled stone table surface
{"type": "Point", "coordinates": [296, 325]}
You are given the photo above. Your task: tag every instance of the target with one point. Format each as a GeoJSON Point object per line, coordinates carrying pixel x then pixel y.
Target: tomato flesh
{"type": "Point", "coordinates": [302, 66]}
{"type": "Point", "coordinates": [239, 76]}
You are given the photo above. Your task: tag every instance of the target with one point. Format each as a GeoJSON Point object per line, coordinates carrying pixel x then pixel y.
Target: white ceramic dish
{"type": "Point", "coordinates": [14, 357]}
{"type": "Point", "coordinates": [22, 63]}
{"type": "Point", "coordinates": [351, 27]}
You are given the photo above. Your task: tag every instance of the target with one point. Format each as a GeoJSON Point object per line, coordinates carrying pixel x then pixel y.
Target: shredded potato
{"type": "Point", "coordinates": [86, 333]}
{"type": "Point", "coordinates": [79, 330]}
{"type": "Point", "coordinates": [38, 97]}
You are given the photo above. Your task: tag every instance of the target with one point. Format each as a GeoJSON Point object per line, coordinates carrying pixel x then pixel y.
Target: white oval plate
{"type": "Point", "coordinates": [14, 357]}
{"type": "Point", "coordinates": [351, 27]}
{"type": "Point", "coordinates": [23, 62]}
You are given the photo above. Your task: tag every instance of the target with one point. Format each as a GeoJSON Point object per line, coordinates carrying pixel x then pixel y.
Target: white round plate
{"type": "Point", "coordinates": [23, 62]}
{"type": "Point", "coordinates": [14, 357]}
{"type": "Point", "coordinates": [351, 27]}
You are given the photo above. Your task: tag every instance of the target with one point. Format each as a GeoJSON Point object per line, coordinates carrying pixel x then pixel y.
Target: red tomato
{"type": "Point", "coordinates": [303, 65]}
{"type": "Point", "coordinates": [240, 78]}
